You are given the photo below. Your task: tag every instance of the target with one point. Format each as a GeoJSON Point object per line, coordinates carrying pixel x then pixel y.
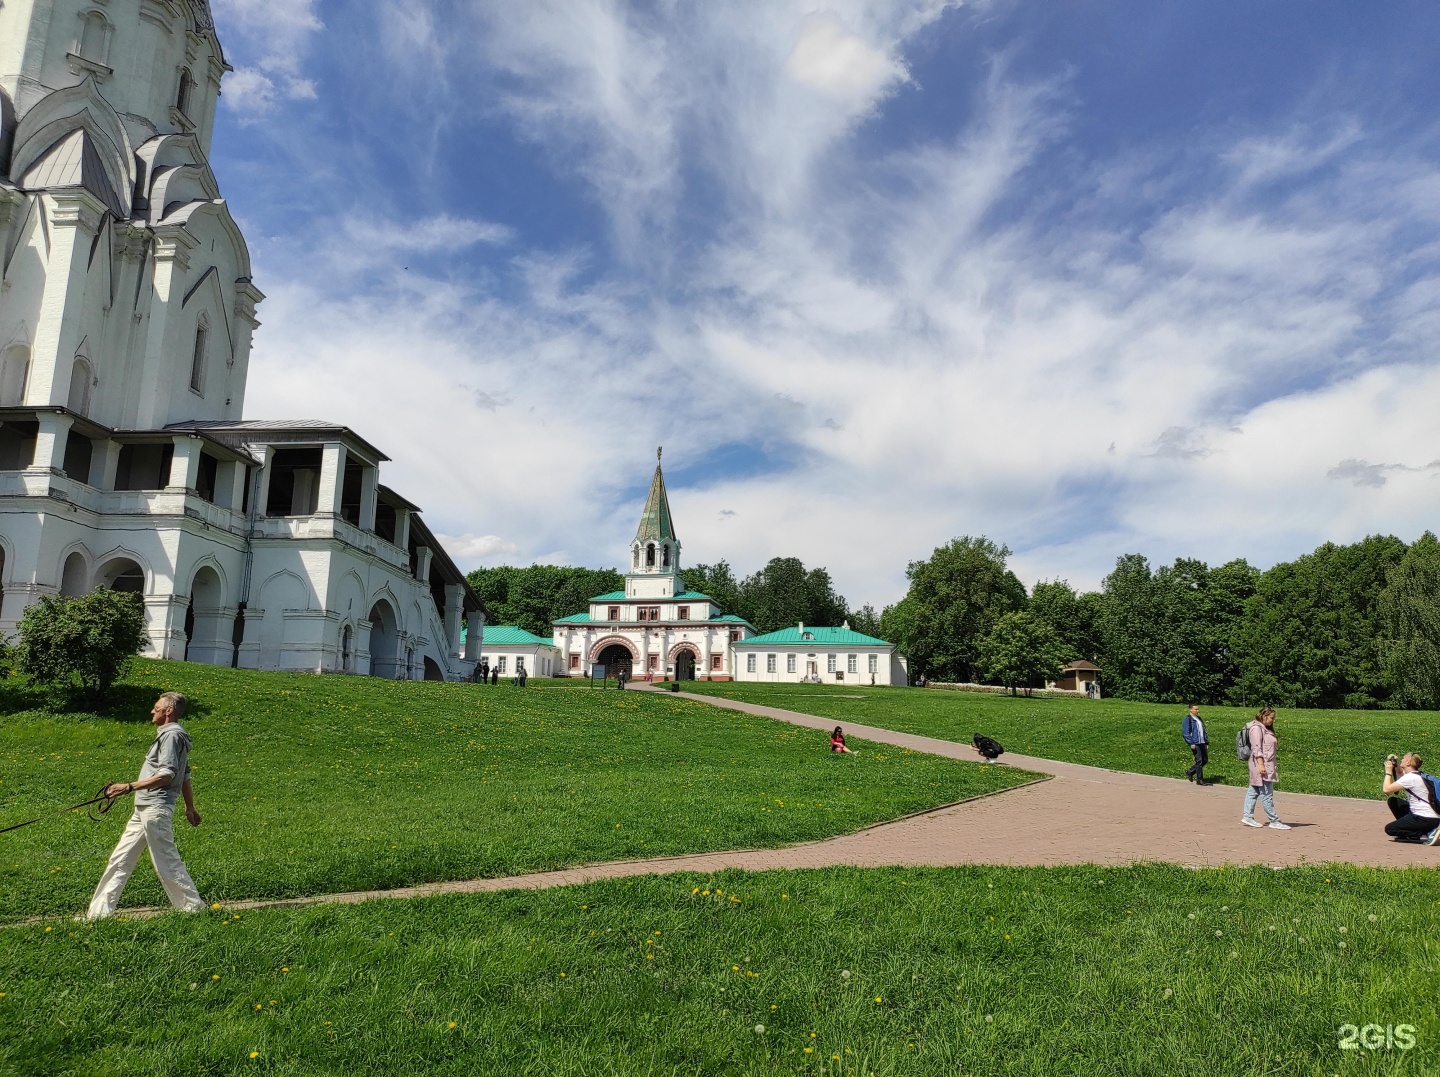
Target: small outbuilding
{"type": "Point", "coordinates": [1079, 676]}
{"type": "Point", "coordinates": [509, 648]}
{"type": "Point", "coordinates": [819, 656]}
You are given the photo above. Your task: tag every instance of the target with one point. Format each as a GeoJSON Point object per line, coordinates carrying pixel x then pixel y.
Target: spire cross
{"type": "Point", "coordinates": [658, 453]}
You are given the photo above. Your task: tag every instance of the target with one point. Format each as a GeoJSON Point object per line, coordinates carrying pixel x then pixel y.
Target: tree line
{"type": "Point", "coordinates": [1343, 626]}
{"type": "Point", "coordinates": [781, 594]}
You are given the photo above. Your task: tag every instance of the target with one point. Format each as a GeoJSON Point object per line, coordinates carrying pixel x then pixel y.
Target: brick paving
{"type": "Point", "coordinates": [1080, 815]}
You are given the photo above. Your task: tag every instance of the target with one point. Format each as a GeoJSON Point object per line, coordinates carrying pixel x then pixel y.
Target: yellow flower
{"type": "Point", "coordinates": [48, 930]}
{"type": "Point", "coordinates": [649, 957]}
{"type": "Point", "coordinates": [216, 905]}
{"type": "Point", "coordinates": [695, 891]}
{"type": "Point", "coordinates": [215, 977]}
{"type": "Point", "coordinates": [784, 897]}
{"type": "Point", "coordinates": [808, 1050]}
{"type": "Point", "coordinates": [562, 976]}
{"type": "Point", "coordinates": [879, 999]}
{"type": "Point", "coordinates": [257, 1005]}
{"type": "Point", "coordinates": [452, 1024]}
{"type": "Point", "coordinates": [254, 1054]}
{"type": "Point", "coordinates": [284, 968]}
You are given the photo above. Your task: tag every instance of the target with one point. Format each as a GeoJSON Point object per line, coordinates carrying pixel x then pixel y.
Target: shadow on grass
{"type": "Point", "coordinates": [123, 703]}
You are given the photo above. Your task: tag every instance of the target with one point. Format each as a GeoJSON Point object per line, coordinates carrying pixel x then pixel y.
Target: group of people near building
{"type": "Point", "coordinates": [1413, 796]}
{"type": "Point", "coordinates": [485, 673]}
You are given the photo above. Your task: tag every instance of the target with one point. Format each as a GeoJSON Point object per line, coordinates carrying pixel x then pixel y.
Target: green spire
{"type": "Point", "coordinates": [655, 523]}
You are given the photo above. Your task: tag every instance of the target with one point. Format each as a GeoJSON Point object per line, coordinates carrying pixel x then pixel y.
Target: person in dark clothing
{"type": "Point", "coordinates": [1192, 728]}
{"type": "Point", "coordinates": [495, 674]}
{"type": "Point", "coordinates": [988, 747]}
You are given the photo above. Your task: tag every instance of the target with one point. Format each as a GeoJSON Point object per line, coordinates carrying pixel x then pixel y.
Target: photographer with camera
{"type": "Point", "coordinates": [1417, 815]}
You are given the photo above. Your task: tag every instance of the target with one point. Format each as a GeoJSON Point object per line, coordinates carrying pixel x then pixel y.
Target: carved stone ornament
{"type": "Point", "coordinates": [204, 24]}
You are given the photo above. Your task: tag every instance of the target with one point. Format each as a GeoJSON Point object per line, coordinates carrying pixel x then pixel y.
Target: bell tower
{"type": "Point", "coordinates": [655, 551]}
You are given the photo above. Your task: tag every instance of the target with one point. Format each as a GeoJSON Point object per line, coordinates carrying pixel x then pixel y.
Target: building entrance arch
{"type": "Point", "coordinates": [432, 670]}
{"type": "Point", "coordinates": [685, 657]}
{"type": "Point", "coordinates": [75, 576]}
{"type": "Point", "coordinates": [209, 627]}
{"type": "Point", "coordinates": [384, 640]}
{"type": "Point", "coordinates": [617, 659]}
{"type": "Point", "coordinates": [121, 574]}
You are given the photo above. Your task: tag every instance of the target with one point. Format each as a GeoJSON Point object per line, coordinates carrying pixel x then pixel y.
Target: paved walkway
{"type": "Point", "coordinates": [1082, 815]}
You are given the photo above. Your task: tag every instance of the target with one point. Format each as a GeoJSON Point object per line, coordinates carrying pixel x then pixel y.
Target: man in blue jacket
{"type": "Point", "coordinates": [1193, 730]}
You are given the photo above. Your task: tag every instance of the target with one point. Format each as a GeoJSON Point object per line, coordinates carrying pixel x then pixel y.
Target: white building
{"type": "Point", "coordinates": [654, 629]}
{"type": "Point", "coordinates": [126, 314]}
{"type": "Point", "coordinates": [510, 648]}
{"type": "Point", "coordinates": [819, 655]}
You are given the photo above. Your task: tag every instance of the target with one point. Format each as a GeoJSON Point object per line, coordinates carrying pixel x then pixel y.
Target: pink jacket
{"type": "Point", "coordinates": [1262, 750]}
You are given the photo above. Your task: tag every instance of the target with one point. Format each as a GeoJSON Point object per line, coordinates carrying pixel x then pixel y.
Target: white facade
{"type": "Point", "coordinates": [126, 315]}
{"type": "Point", "coordinates": [654, 629]}
{"type": "Point", "coordinates": [509, 649]}
{"type": "Point", "coordinates": [820, 656]}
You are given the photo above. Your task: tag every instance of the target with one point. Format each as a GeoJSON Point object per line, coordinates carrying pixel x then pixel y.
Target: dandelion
{"type": "Point", "coordinates": [759, 1030]}
{"type": "Point", "coordinates": [1169, 993]}
{"type": "Point", "coordinates": [812, 1035]}
{"type": "Point", "coordinates": [734, 968]}
{"type": "Point", "coordinates": [809, 1050]}
{"type": "Point", "coordinates": [1191, 916]}
{"type": "Point", "coordinates": [784, 897]}
{"type": "Point", "coordinates": [1343, 929]}
{"type": "Point", "coordinates": [879, 999]}
{"type": "Point", "coordinates": [844, 974]}
{"type": "Point", "coordinates": [216, 905]}
{"type": "Point", "coordinates": [257, 1006]}
{"type": "Point", "coordinates": [774, 1007]}
{"type": "Point", "coordinates": [692, 892]}
{"type": "Point", "coordinates": [48, 930]}
{"type": "Point", "coordinates": [989, 1020]}
{"type": "Point", "coordinates": [254, 1054]}
{"type": "Point", "coordinates": [1342, 946]}
{"type": "Point", "coordinates": [452, 1024]}
{"type": "Point", "coordinates": [1007, 936]}
{"type": "Point", "coordinates": [562, 976]}
{"type": "Point", "coordinates": [1372, 918]}
{"type": "Point", "coordinates": [215, 977]}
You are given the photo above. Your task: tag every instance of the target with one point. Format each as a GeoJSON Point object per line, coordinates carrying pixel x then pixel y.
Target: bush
{"type": "Point", "coordinates": [74, 649]}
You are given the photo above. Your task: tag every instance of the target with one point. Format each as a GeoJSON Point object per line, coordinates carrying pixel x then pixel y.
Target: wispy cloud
{"type": "Point", "coordinates": [278, 36]}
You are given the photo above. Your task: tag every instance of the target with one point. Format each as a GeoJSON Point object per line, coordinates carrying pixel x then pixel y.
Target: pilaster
{"type": "Point", "coordinates": [185, 464]}
{"type": "Point", "coordinates": [369, 493]}
{"type": "Point", "coordinates": [104, 463]}
{"type": "Point", "coordinates": [50, 441]}
{"type": "Point", "coordinates": [172, 247]}
{"type": "Point", "coordinates": [75, 218]}
{"type": "Point", "coordinates": [474, 635]}
{"type": "Point", "coordinates": [332, 479]}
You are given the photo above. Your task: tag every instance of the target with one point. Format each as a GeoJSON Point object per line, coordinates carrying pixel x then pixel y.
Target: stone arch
{"type": "Point", "coordinates": [122, 570]}
{"type": "Point", "coordinates": [610, 641]}
{"type": "Point", "coordinates": [282, 591]}
{"type": "Point", "coordinates": [74, 574]}
{"type": "Point", "coordinates": [82, 376]}
{"type": "Point", "coordinates": [384, 640]}
{"type": "Point", "coordinates": [432, 669]}
{"type": "Point", "coordinates": [685, 658]}
{"type": "Point", "coordinates": [209, 624]}
{"type": "Point", "coordinates": [650, 555]}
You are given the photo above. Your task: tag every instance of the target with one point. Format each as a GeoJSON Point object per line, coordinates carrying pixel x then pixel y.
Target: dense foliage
{"type": "Point", "coordinates": [74, 649]}
{"type": "Point", "coordinates": [534, 596]}
{"type": "Point", "coordinates": [1022, 650]}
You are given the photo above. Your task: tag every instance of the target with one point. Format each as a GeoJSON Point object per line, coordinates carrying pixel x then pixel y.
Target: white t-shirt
{"type": "Point", "coordinates": [1415, 790]}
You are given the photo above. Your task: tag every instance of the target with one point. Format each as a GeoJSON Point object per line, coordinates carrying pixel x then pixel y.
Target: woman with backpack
{"type": "Point", "coordinates": [1417, 815]}
{"type": "Point", "coordinates": [1256, 745]}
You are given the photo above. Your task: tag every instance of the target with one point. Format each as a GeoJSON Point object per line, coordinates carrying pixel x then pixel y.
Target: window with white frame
{"type": "Point", "coordinates": [830, 663]}
{"type": "Point", "coordinates": [874, 663]}
{"type": "Point", "coordinates": [749, 663]}
{"type": "Point", "coordinates": [851, 665]}
{"type": "Point", "coordinates": [769, 663]}
{"type": "Point", "coordinates": [500, 665]}
{"type": "Point", "coordinates": [789, 663]}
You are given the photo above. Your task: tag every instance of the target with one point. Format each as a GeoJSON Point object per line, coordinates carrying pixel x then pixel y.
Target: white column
{"type": "Point", "coordinates": [369, 492]}
{"type": "Point", "coordinates": [402, 528]}
{"type": "Point", "coordinates": [158, 367]}
{"type": "Point", "coordinates": [233, 477]}
{"type": "Point", "coordinates": [185, 464]}
{"type": "Point", "coordinates": [50, 442]}
{"type": "Point", "coordinates": [474, 635]}
{"type": "Point", "coordinates": [454, 612]}
{"type": "Point", "coordinates": [332, 479]}
{"type": "Point", "coordinates": [262, 494]}
{"type": "Point", "coordinates": [75, 217]}
{"type": "Point", "coordinates": [104, 464]}
{"type": "Point", "coordinates": [422, 563]}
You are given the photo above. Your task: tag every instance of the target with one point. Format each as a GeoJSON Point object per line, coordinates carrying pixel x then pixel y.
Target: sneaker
{"type": "Point", "coordinates": [1433, 838]}
{"type": "Point", "coordinates": [1249, 820]}
{"type": "Point", "coordinates": [1276, 824]}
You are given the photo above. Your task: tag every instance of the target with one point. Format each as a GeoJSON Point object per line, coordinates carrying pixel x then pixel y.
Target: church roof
{"type": "Point", "coordinates": [620, 596]}
{"type": "Point", "coordinates": [819, 637]}
{"type": "Point", "coordinates": [512, 636]}
{"type": "Point", "coordinates": [655, 522]}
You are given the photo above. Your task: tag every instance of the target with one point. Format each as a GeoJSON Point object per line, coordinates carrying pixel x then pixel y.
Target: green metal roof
{"type": "Point", "coordinates": [620, 596]}
{"type": "Point", "coordinates": [609, 596]}
{"type": "Point", "coordinates": [574, 618]}
{"type": "Point", "coordinates": [821, 637]}
{"type": "Point", "coordinates": [655, 522]}
{"type": "Point", "coordinates": [512, 636]}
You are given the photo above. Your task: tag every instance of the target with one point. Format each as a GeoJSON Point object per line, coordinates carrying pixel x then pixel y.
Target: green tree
{"type": "Point", "coordinates": [1310, 635]}
{"type": "Point", "coordinates": [1166, 635]}
{"type": "Point", "coordinates": [74, 649]}
{"type": "Point", "coordinates": [1021, 650]}
{"type": "Point", "coordinates": [866, 621]}
{"type": "Point", "coordinates": [784, 593]}
{"type": "Point", "coordinates": [1072, 616]}
{"type": "Point", "coordinates": [718, 581]}
{"type": "Point", "coordinates": [534, 596]}
{"type": "Point", "coordinates": [953, 602]}
{"type": "Point", "coordinates": [1409, 610]}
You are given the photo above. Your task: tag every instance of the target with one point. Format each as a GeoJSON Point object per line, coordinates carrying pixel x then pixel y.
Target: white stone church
{"type": "Point", "coordinates": [126, 314]}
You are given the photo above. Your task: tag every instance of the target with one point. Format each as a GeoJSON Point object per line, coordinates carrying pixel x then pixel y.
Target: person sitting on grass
{"type": "Point", "coordinates": [837, 742]}
{"type": "Point", "coordinates": [164, 777]}
{"type": "Point", "coordinates": [1417, 816]}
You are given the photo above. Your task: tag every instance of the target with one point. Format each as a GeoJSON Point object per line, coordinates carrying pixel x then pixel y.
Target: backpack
{"type": "Point", "coordinates": [1432, 787]}
{"type": "Point", "coordinates": [1242, 743]}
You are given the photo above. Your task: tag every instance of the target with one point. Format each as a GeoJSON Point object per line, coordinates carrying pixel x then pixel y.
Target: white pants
{"type": "Point", "coordinates": [152, 828]}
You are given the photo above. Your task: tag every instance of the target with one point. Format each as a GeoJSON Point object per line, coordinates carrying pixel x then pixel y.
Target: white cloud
{"type": "Point", "coordinates": [273, 39]}
{"type": "Point", "coordinates": [471, 551]}
{"type": "Point", "coordinates": [442, 233]}
{"type": "Point", "coordinates": [829, 58]}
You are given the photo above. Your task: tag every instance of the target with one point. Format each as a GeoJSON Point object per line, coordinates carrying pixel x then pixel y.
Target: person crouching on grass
{"type": "Point", "coordinates": [165, 773]}
{"type": "Point", "coordinates": [1417, 816]}
{"type": "Point", "coordinates": [837, 742]}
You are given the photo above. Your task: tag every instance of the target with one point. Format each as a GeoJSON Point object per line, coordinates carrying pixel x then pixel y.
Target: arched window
{"type": "Point", "coordinates": [14, 373]}
{"type": "Point", "coordinates": [197, 359]}
{"type": "Point", "coordinates": [94, 37]}
{"type": "Point", "coordinates": [184, 91]}
{"type": "Point", "coordinates": [345, 650]}
{"type": "Point", "coordinates": [665, 556]}
{"type": "Point", "coordinates": [81, 377]}
{"type": "Point", "coordinates": [650, 555]}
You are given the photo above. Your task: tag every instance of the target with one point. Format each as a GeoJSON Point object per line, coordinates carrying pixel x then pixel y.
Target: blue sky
{"type": "Point", "coordinates": [1086, 278]}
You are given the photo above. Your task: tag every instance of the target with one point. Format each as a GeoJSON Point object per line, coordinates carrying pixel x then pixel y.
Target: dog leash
{"type": "Point", "coordinates": [105, 804]}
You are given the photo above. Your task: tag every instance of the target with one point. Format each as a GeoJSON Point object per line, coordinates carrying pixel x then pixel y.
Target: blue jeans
{"type": "Point", "coordinates": [1265, 793]}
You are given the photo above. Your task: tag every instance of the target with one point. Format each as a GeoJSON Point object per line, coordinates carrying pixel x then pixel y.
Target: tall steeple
{"type": "Point", "coordinates": [655, 551]}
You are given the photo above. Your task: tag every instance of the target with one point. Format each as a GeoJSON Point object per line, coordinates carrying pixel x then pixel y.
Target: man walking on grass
{"type": "Point", "coordinates": [165, 773]}
{"type": "Point", "coordinates": [1193, 730]}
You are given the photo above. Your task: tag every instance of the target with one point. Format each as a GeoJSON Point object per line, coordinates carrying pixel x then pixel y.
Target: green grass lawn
{"type": "Point", "coordinates": [319, 784]}
{"type": "Point", "coordinates": [1336, 752]}
{"type": "Point", "coordinates": [1083, 971]}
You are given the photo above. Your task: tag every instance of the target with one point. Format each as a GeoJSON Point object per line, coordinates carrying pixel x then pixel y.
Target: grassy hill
{"type": "Point", "coordinates": [1334, 752]}
{"type": "Point", "coordinates": [321, 784]}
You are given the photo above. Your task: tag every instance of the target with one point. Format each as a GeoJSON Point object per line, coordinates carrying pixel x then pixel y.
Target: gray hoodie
{"type": "Point", "coordinates": [170, 754]}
